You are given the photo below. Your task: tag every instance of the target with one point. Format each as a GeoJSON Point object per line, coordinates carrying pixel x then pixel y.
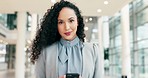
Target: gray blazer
{"type": "Point", "coordinates": [47, 63]}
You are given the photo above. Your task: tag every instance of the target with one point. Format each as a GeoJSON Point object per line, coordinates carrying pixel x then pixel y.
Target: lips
{"type": "Point", "coordinates": [67, 33]}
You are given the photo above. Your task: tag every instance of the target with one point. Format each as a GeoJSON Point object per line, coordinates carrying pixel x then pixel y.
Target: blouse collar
{"type": "Point", "coordinates": [64, 44]}
{"type": "Point", "coordinates": [69, 43]}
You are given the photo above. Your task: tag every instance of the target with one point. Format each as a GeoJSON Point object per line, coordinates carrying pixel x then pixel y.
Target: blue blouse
{"type": "Point", "coordinates": [70, 56]}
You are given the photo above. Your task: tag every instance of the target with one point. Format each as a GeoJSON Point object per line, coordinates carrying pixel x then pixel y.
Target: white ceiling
{"type": "Point", "coordinates": [88, 7]}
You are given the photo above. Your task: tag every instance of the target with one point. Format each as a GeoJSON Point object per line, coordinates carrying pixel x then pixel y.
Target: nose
{"type": "Point", "coordinates": [67, 26]}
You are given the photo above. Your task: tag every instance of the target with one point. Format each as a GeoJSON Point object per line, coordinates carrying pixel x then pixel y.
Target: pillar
{"type": "Point", "coordinates": [125, 56]}
{"type": "Point", "coordinates": [33, 26]}
{"type": "Point", "coordinates": [101, 49]}
{"type": "Point", "coordinates": [20, 45]}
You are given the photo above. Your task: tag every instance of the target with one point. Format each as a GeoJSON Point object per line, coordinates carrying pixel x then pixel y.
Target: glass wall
{"type": "Point", "coordinates": [3, 19]}
{"type": "Point", "coordinates": [138, 41]}
{"type": "Point", "coordinates": [3, 63]}
{"type": "Point", "coordinates": [115, 46]}
{"type": "Point", "coordinates": [10, 21]}
{"type": "Point", "coordinates": [2, 52]}
{"type": "Point", "coordinates": [7, 51]}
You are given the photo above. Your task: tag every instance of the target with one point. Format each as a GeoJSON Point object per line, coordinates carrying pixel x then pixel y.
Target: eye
{"type": "Point", "coordinates": [60, 22]}
{"type": "Point", "coordinates": [71, 20]}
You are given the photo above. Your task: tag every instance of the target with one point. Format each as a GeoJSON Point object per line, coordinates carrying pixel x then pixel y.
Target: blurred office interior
{"type": "Point", "coordinates": [119, 26]}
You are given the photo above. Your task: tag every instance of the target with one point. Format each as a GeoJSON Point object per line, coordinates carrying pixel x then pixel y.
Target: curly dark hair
{"type": "Point", "coordinates": [48, 33]}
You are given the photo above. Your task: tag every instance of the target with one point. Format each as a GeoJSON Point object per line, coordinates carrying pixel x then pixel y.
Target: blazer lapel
{"type": "Point", "coordinates": [54, 61]}
{"type": "Point", "coordinates": [84, 49]}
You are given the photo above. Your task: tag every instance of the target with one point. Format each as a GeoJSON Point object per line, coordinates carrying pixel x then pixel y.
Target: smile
{"type": "Point", "coordinates": [67, 33]}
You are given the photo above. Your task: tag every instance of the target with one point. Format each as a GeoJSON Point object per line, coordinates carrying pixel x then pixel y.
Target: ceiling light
{"type": "Point", "coordinates": [106, 2]}
{"type": "Point", "coordinates": [86, 20]}
{"type": "Point", "coordinates": [99, 10]}
{"type": "Point", "coordinates": [85, 28]}
{"type": "Point", "coordinates": [90, 19]}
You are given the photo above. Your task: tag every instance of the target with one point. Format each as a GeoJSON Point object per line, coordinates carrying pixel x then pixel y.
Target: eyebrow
{"type": "Point", "coordinates": [68, 18]}
{"type": "Point", "coordinates": [71, 18]}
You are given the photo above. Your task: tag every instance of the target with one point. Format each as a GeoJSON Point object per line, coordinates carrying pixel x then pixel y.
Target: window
{"type": "Point", "coordinates": [2, 52]}
{"type": "Point", "coordinates": [142, 32]}
{"type": "Point", "coordinates": [118, 41]}
{"type": "Point", "coordinates": [139, 3]}
{"type": "Point", "coordinates": [143, 44]}
{"type": "Point", "coordinates": [140, 18]}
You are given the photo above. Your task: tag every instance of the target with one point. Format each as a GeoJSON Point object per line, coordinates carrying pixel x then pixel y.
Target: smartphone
{"type": "Point", "coordinates": [72, 75]}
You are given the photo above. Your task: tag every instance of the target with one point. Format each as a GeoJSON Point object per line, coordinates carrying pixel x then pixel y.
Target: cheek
{"type": "Point", "coordinates": [75, 26]}
{"type": "Point", "coordinates": [60, 30]}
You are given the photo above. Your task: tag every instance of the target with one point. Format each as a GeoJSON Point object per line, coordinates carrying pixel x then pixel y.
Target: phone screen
{"type": "Point", "coordinates": [72, 75]}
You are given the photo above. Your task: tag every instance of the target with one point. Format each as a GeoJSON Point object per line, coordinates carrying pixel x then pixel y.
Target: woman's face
{"type": "Point", "coordinates": [67, 23]}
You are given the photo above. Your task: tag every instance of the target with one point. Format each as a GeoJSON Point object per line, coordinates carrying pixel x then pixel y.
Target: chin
{"type": "Point", "coordinates": [69, 38]}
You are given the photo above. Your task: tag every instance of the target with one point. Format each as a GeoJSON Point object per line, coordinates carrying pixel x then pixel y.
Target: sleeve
{"type": "Point", "coordinates": [40, 66]}
{"type": "Point", "coordinates": [98, 72]}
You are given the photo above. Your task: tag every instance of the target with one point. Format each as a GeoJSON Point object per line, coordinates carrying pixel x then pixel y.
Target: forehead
{"type": "Point", "coordinates": [66, 13]}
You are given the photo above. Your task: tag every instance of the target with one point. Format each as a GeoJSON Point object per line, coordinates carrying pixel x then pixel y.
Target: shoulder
{"type": "Point", "coordinates": [52, 46]}
{"type": "Point", "coordinates": [49, 50]}
{"type": "Point", "coordinates": [91, 47]}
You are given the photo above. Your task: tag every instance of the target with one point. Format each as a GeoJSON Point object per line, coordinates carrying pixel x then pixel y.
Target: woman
{"type": "Point", "coordinates": [59, 47]}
